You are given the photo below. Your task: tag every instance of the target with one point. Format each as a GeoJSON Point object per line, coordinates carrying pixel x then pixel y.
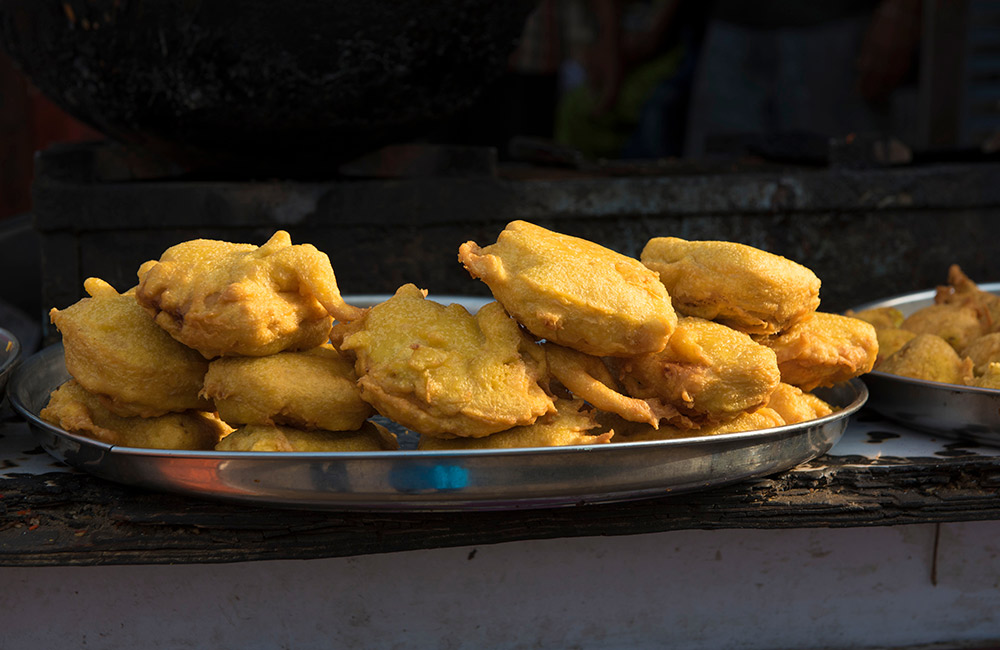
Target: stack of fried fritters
{"type": "Point", "coordinates": [955, 340]}
{"type": "Point", "coordinates": [219, 344]}
{"type": "Point", "coordinates": [581, 346]}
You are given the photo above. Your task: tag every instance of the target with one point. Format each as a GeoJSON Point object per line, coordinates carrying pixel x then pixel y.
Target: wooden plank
{"type": "Point", "coordinates": [77, 519]}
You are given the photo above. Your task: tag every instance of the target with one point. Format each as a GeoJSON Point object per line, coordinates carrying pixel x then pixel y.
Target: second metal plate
{"type": "Point", "coordinates": [950, 410]}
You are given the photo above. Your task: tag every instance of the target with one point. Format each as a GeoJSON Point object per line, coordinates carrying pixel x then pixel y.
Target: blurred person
{"type": "Point", "coordinates": [522, 102]}
{"type": "Point", "coordinates": [636, 75]}
{"type": "Point", "coordinates": [785, 66]}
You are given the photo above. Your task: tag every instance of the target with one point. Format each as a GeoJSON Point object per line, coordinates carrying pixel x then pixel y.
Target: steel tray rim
{"type": "Point", "coordinates": [488, 479]}
{"type": "Point", "coordinates": [539, 477]}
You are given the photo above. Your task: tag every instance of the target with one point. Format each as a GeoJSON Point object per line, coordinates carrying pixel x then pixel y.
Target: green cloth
{"type": "Point", "coordinates": [604, 136]}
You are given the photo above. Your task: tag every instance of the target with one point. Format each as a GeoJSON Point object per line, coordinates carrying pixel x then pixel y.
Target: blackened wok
{"type": "Point", "coordinates": [262, 83]}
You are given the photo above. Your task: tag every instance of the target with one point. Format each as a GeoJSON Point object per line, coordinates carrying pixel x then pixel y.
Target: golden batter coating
{"type": "Point", "coordinates": [794, 405]}
{"type": "Point", "coordinates": [574, 292]}
{"type": "Point", "coordinates": [568, 426]}
{"type": "Point", "coordinates": [75, 410]}
{"type": "Point", "coordinates": [879, 317]}
{"type": "Point", "coordinates": [226, 299]}
{"type": "Point", "coordinates": [740, 286]}
{"type": "Point", "coordinates": [311, 389]}
{"type": "Point", "coordinates": [588, 377]}
{"type": "Point", "coordinates": [824, 350]}
{"type": "Point", "coordinates": [890, 340]}
{"type": "Point", "coordinates": [930, 357]}
{"type": "Point", "coordinates": [762, 418]}
{"type": "Point", "coordinates": [956, 322]}
{"type": "Point", "coordinates": [989, 377]}
{"type": "Point", "coordinates": [961, 290]}
{"type": "Point", "coordinates": [708, 371]}
{"type": "Point", "coordinates": [269, 437]}
{"type": "Point", "coordinates": [983, 351]}
{"type": "Point", "coordinates": [115, 351]}
{"type": "Point", "coordinates": [443, 372]}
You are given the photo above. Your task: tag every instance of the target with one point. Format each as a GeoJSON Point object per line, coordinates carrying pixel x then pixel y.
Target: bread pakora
{"type": "Point", "coordinates": [587, 376]}
{"type": "Point", "coordinates": [961, 290]}
{"type": "Point", "coordinates": [957, 323]}
{"type": "Point", "coordinates": [568, 426]}
{"type": "Point", "coordinates": [224, 299]}
{"type": "Point", "coordinates": [762, 418]}
{"type": "Point", "coordinates": [78, 411]}
{"type": "Point", "coordinates": [879, 317]}
{"type": "Point", "coordinates": [710, 372]}
{"type": "Point", "coordinates": [824, 350]}
{"type": "Point", "coordinates": [794, 405]}
{"type": "Point", "coordinates": [890, 340]}
{"type": "Point", "coordinates": [734, 284]}
{"type": "Point", "coordinates": [442, 371]}
{"type": "Point", "coordinates": [988, 377]}
{"type": "Point", "coordinates": [574, 292]}
{"type": "Point", "coordinates": [269, 437]}
{"type": "Point", "coordinates": [311, 389]}
{"type": "Point", "coordinates": [115, 351]}
{"type": "Point", "coordinates": [930, 357]}
{"type": "Point", "coordinates": [983, 351]}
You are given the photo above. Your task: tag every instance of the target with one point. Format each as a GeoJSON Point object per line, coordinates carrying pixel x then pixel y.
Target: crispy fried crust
{"type": "Point", "coordinates": [115, 351]}
{"type": "Point", "coordinates": [587, 377]}
{"type": "Point", "coordinates": [740, 286]}
{"type": "Point", "coordinates": [312, 389]}
{"type": "Point", "coordinates": [824, 350]}
{"type": "Point", "coordinates": [574, 292]}
{"type": "Point", "coordinates": [265, 437]}
{"type": "Point", "coordinates": [226, 299]}
{"type": "Point", "coordinates": [441, 371]}
{"type": "Point", "coordinates": [568, 426]}
{"type": "Point", "coordinates": [709, 372]}
{"type": "Point", "coordinates": [930, 357]}
{"type": "Point", "coordinates": [77, 411]}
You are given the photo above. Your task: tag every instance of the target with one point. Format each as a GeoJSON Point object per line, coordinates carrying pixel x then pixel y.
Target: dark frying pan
{"type": "Point", "coordinates": [257, 83]}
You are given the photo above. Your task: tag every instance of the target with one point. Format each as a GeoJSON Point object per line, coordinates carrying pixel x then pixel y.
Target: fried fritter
{"type": "Point", "coordinates": [762, 418]}
{"type": "Point", "coordinates": [78, 411]}
{"type": "Point", "coordinates": [740, 286]}
{"type": "Point", "coordinates": [961, 290]}
{"type": "Point", "coordinates": [824, 350]}
{"type": "Point", "coordinates": [574, 292]}
{"type": "Point", "coordinates": [708, 371]}
{"type": "Point", "coordinates": [930, 357]}
{"type": "Point", "coordinates": [265, 437]}
{"type": "Point", "coordinates": [115, 351]}
{"type": "Point", "coordinates": [988, 378]}
{"type": "Point", "coordinates": [226, 299]}
{"type": "Point", "coordinates": [794, 405]}
{"type": "Point", "coordinates": [983, 351]}
{"type": "Point", "coordinates": [957, 323]}
{"type": "Point", "coordinates": [879, 317]}
{"type": "Point", "coordinates": [311, 389]}
{"type": "Point", "coordinates": [890, 340]}
{"type": "Point", "coordinates": [566, 427]}
{"type": "Point", "coordinates": [441, 371]}
{"type": "Point", "coordinates": [587, 377]}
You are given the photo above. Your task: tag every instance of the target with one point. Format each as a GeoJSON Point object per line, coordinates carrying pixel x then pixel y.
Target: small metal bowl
{"type": "Point", "coordinates": [10, 355]}
{"type": "Point", "coordinates": [949, 410]}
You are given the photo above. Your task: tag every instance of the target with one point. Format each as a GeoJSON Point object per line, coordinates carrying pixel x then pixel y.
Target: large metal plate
{"type": "Point", "coordinates": [950, 410]}
{"type": "Point", "coordinates": [437, 480]}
